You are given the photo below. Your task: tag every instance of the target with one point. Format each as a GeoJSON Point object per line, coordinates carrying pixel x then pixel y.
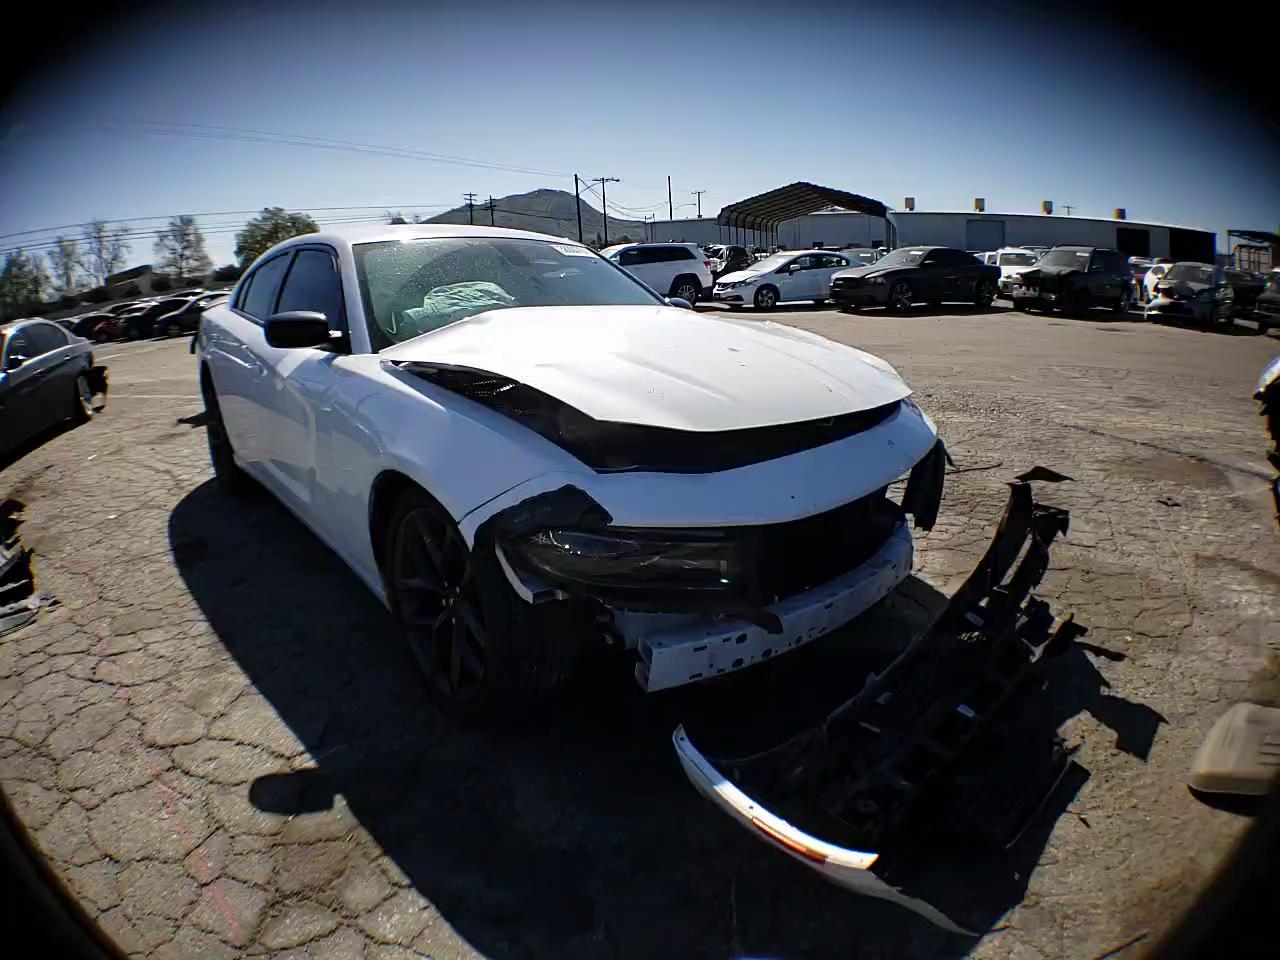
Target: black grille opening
{"type": "Point", "coordinates": [793, 557]}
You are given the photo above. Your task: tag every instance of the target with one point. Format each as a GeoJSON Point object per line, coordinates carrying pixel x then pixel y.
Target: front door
{"type": "Point", "coordinates": [805, 279]}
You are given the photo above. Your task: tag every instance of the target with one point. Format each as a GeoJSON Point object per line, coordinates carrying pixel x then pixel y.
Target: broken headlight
{"type": "Point", "coordinates": [634, 558]}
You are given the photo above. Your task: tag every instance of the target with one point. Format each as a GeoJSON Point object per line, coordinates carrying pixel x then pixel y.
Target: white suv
{"type": "Point", "coordinates": [670, 269]}
{"type": "Point", "coordinates": [1012, 261]}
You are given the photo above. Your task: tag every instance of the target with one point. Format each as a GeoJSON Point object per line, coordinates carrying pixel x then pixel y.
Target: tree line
{"type": "Point", "coordinates": [76, 268]}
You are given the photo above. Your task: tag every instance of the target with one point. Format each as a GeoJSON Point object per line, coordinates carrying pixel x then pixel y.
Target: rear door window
{"type": "Point", "coordinates": [259, 299]}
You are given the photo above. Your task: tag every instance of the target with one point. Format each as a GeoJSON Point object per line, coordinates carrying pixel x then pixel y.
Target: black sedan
{"type": "Point", "coordinates": [186, 318]}
{"type": "Point", "coordinates": [911, 275]}
{"type": "Point", "coordinates": [140, 322]}
{"type": "Point", "coordinates": [1266, 309]}
{"type": "Point", "coordinates": [47, 375]}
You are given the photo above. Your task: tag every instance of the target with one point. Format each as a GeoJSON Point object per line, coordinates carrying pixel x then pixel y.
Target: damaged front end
{"type": "Point", "coordinates": [920, 728]}
{"type": "Point", "coordinates": [696, 603]}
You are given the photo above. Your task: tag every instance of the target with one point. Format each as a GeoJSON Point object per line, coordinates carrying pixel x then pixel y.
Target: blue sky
{"type": "Point", "coordinates": [887, 102]}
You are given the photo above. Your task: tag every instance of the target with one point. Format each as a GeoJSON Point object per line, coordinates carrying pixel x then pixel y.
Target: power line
{"type": "Point", "coordinates": [207, 131]}
{"type": "Point", "coordinates": [227, 213]}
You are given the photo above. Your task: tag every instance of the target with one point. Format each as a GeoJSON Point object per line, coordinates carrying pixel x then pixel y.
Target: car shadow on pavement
{"type": "Point", "coordinates": [571, 831]}
{"type": "Point", "coordinates": [33, 443]}
{"type": "Point", "coordinates": [1231, 329]}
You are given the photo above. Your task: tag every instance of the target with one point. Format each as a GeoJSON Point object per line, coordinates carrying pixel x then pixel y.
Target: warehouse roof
{"type": "Point", "coordinates": [794, 200]}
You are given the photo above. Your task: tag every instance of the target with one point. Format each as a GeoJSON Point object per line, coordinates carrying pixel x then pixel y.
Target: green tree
{"type": "Point", "coordinates": [104, 250]}
{"type": "Point", "coordinates": [180, 249]}
{"type": "Point", "coordinates": [22, 284]}
{"type": "Point", "coordinates": [64, 266]}
{"type": "Point", "coordinates": [267, 229]}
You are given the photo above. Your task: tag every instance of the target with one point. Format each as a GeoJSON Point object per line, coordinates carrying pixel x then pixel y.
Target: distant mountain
{"type": "Point", "coordinates": [547, 211]}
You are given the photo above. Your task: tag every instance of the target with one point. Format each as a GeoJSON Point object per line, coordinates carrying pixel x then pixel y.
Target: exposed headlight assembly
{"type": "Point", "coordinates": [634, 558]}
{"type": "Point", "coordinates": [879, 281]}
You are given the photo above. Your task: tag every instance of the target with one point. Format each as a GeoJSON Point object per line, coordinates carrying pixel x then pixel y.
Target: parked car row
{"type": "Point", "coordinates": [138, 319]}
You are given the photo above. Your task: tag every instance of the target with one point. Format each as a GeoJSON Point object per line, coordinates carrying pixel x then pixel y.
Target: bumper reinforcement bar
{"type": "Point", "coordinates": [917, 724]}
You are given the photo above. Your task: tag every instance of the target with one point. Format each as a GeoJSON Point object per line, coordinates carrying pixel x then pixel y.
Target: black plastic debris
{"type": "Point", "coordinates": [19, 602]}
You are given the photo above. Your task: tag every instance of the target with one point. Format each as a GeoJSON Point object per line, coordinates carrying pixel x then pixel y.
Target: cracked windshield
{"type": "Point", "coordinates": [639, 482]}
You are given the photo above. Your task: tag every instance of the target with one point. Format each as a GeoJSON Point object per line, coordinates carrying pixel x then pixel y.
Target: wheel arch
{"type": "Point", "coordinates": [675, 282]}
{"type": "Point", "coordinates": [385, 491]}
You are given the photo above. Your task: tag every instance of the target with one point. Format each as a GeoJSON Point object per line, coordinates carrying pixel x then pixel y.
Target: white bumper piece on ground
{"type": "Point", "coordinates": [850, 869]}
{"type": "Point", "coordinates": [698, 647]}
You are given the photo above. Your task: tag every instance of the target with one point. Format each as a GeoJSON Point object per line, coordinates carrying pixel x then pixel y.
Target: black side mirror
{"type": "Point", "coordinates": [680, 302]}
{"type": "Point", "coordinates": [298, 328]}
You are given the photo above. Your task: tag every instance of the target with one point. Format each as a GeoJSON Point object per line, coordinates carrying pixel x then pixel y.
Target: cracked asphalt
{"type": "Point", "coordinates": [216, 743]}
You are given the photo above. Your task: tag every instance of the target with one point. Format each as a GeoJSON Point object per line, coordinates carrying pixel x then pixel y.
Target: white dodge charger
{"type": "Point", "coordinates": [525, 452]}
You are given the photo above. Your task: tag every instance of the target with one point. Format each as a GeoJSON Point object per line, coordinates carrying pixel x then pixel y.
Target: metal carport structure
{"type": "Point", "coordinates": [763, 213]}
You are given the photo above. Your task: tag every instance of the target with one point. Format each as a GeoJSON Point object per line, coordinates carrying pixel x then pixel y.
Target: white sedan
{"type": "Point", "coordinates": [789, 275]}
{"type": "Point", "coordinates": [525, 452]}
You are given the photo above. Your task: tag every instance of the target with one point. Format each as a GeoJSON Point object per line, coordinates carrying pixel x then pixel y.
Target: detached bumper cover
{"type": "Point", "coordinates": [912, 727]}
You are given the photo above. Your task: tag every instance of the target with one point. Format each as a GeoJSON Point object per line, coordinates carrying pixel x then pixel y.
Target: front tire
{"type": "Point", "coordinates": [901, 297]}
{"type": "Point", "coordinates": [230, 478]}
{"type": "Point", "coordinates": [477, 648]}
{"type": "Point", "coordinates": [766, 298]}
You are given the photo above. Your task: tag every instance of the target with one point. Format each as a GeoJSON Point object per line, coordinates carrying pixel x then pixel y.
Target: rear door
{"type": "Point", "coordinates": [56, 366]}
{"type": "Point", "coordinates": [829, 264]}
{"type": "Point", "coordinates": [1103, 277]}
{"type": "Point", "coordinates": [965, 272]}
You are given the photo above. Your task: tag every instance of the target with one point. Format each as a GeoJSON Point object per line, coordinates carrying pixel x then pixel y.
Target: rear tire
{"type": "Point", "coordinates": [230, 478]}
{"type": "Point", "coordinates": [478, 647]}
{"type": "Point", "coordinates": [984, 293]}
{"type": "Point", "coordinates": [1121, 306]}
{"type": "Point", "coordinates": [82, 401]}
{"type": "Point", "coordinates": [687, 288]}
{"type": "Point", "coordinates": [766, 297]}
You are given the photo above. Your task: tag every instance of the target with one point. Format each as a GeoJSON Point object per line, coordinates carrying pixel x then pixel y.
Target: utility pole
{"type": "Point", "coordinates": [648, 218]}
{"type": "Point", "coordinates": [605, 203]}
{"type": "Point", "coordinates": [491, 223]}
{"type": "Point", "coordinates": [577, 202]}
{"type": "Point", "coordinates": [698, 194]}
{"type": "Point", "coordinates": [671, 211]}
{"type": "Point", "coordinates": [471, 207]}
{"type": "Point", "coordinates": [1068, 207]}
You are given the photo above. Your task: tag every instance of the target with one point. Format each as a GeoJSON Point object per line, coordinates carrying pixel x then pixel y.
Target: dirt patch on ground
{"type": "Point", "coordinates": [1159, 466]}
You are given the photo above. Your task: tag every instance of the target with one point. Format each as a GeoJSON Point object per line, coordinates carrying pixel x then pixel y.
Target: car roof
{"type": "Point", "coordinates": [1015, 250]}
{"type": "Point", "coordinates": [348, 235]}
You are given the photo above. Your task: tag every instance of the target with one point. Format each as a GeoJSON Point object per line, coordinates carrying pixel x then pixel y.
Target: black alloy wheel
{"type": "Point", "coordinates": [437, 603]}
{"type": "Point", "coordinates": [984, 293]}
{"type": "Point", "coordinates": [901, 296]}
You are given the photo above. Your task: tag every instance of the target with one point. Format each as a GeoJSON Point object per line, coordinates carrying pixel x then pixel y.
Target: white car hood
{"type": "Point", "coordinates": [739, 275]}
{"type": "Point", "coordinates": [664, 366]}
{"type": "Point", "coordinates": [1014, 271]}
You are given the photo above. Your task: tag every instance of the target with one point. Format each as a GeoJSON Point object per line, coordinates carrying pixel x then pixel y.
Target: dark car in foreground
{"type": "Point", "coordinates": [911, 275]}
{"type": "Point", "coordinates": [47, 375]}
{"type": "Point", "coordinates": [1076, 278]}
{"type": "Point", "coordinates": [186, 318]}
{"type": "Point", "coordinates": [140, 322]}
